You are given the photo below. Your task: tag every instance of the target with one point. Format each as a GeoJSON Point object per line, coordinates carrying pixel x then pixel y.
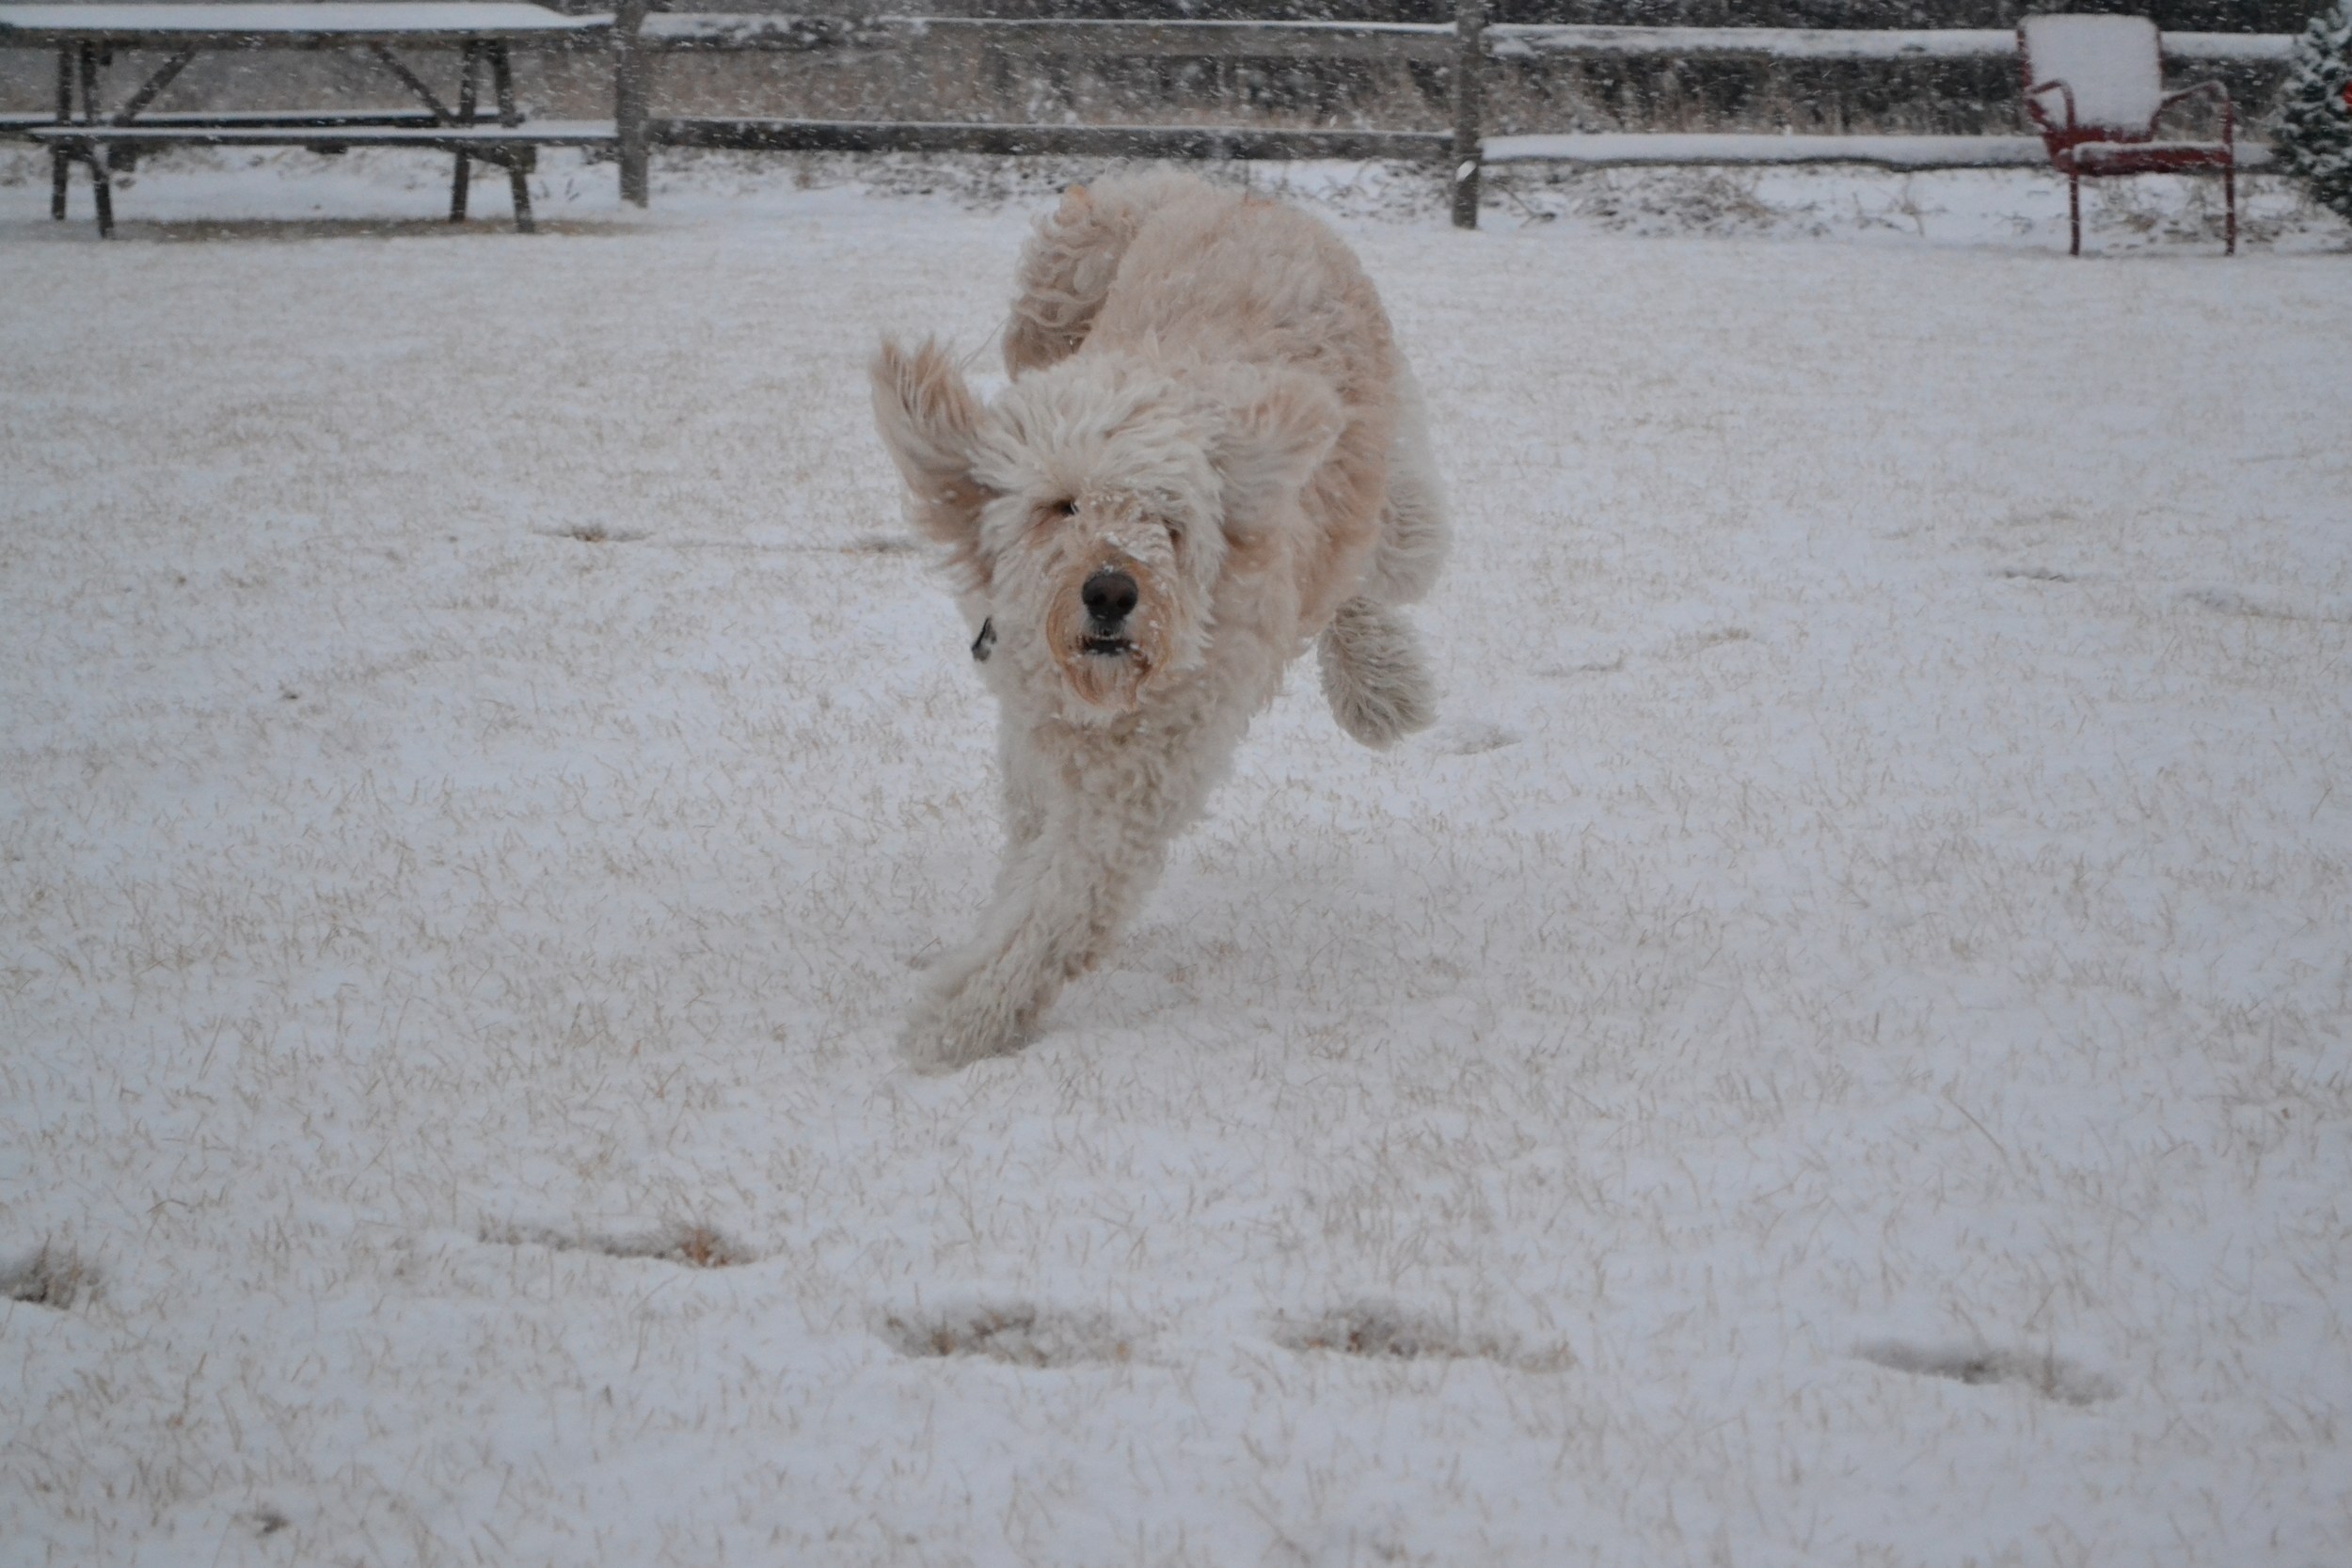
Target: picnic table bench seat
{"type": "Point", "coordinates": [297, 130]}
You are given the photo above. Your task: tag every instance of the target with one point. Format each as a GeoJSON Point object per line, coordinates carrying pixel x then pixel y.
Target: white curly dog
{"type": "Point", "coordinates": [1211, 453]}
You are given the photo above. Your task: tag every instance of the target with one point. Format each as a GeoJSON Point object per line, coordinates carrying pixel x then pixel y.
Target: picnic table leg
{"type": "Point", "coordinates": [102, 189]}
{"type": "Point", "coordinates": [465, 116]}
{"type": "Point", "coordinates": [60, 164]}
{"type": "Point", "coordinates": [518, 178]}
{"type": "Point", "coordinates": [519, 159]}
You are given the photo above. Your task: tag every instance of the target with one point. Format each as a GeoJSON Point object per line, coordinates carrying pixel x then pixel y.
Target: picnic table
{"type": "Point", "coordinates": [85, 37]}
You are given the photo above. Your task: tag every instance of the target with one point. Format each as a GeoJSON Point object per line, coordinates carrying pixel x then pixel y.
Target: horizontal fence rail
{"type": "Point", "coordinates": [1506, 41]}
{"type": "Point", "coordinates": [1665, 149]}
{"type": "Point", "coordinates": [1202, 142]}
{"type": "Point", "coordinates": [681, 31]}
{"type": "Point", "coordinates": [1201, 40]}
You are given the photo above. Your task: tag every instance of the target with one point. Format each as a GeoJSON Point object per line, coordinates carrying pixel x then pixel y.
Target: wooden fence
{"type": "Point", "coordinates": [1464, 50]}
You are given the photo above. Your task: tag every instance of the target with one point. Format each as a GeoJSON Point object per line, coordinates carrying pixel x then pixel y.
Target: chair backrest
{"type": "Point", "coordinates": [2114, 64]}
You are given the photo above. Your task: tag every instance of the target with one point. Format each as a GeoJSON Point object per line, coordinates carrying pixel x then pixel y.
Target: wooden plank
{"type": "Point", "coordinates": [1289, 40]}
{"type": "Point", "coordinates": [406, 23]}
{"type": "Point", "coordinates": [262, 119]}
{"type": "Point", "coordinates": [1106, 141]}
{"type": "Point", "coordinates": [1271, 41]}
{"type": "Point", "coordinates": [452, 137]}
{"type": "Point", "coordinates": [1531, 41]}
{"type": "Point", "coordinates": [686, 30]}
{"type": "Point", "coordinates": [1645, 150]}
{"type": "Point", "coordinates": [269, 118]}
{"type": "Point", "coordinates": [725, 31]}
{"type": "Point", "coordinates": [1527, 42]}
{"type": "Point", "coordinates": [2230, 46]}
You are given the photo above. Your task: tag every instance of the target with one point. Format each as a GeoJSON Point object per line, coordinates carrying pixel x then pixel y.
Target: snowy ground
{"type": "Point", "coordinates": [1838, 1050]}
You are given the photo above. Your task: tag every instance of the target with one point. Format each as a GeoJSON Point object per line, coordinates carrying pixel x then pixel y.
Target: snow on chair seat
{"type": "Point", "coordinates": [2094, 89]}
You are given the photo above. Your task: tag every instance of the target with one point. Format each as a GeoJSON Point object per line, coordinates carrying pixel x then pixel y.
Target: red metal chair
{"type": "Point", "coordinates": [2095, 85]}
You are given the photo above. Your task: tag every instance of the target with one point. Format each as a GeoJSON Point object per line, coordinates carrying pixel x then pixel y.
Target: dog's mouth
{"type": "Point", "coordinates": [1106, 647]}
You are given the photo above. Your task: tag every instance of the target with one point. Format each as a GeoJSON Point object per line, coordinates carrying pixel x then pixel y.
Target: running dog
{"type": "Point", "coordinates": [1211, 453]}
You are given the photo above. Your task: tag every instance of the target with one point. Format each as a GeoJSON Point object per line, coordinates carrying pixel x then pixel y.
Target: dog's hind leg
{"type": "Point", "coordinates": [1375, 675]}
{"type": "Point", "coordinates": [1414, 533]}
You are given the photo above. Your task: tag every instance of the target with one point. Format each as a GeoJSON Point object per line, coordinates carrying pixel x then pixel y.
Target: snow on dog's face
{"type": "Point", "coordinates": [1093, 508]}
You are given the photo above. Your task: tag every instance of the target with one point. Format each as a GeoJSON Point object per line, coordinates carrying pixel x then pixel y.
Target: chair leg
{"type": "Point", "coordinates": [60, 170]}
{"type": "Point", "coordinates": [2075, 213]}
{"type": "Point", "coordinates": [2229, 199]}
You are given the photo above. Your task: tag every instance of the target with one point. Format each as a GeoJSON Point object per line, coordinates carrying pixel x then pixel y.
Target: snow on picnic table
{"type": "Point", "coordinates": [364, 18]}
{"type": "Point", "coordinates": [1835, 1051]}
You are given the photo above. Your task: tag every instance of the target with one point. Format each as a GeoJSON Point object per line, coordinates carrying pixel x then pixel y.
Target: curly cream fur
{"type": "Point", "coordinates": [1207, 403]}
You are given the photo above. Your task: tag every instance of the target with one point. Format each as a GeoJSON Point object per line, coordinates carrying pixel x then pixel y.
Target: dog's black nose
{"type": "Point", "coordinates": [1109, 596]}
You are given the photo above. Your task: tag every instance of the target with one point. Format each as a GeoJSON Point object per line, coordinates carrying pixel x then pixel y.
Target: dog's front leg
{"type": "Point", "coordinates": [1061, 898]}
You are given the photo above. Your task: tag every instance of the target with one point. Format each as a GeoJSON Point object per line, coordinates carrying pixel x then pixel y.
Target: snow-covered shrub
{"type": "Point", "coordinates": [2315, 136]}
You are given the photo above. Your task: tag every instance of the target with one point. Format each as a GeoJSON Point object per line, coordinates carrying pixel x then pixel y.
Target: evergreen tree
{"type": "Point", "coordinates": [2315, 138]}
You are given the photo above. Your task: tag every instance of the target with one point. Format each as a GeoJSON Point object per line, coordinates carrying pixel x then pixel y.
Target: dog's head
{"type": "Point", "coordinates": [1095, 506]}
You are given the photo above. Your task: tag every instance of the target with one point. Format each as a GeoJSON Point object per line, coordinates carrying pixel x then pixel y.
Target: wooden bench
{"type": "Point", "coordinates": [86, 36]}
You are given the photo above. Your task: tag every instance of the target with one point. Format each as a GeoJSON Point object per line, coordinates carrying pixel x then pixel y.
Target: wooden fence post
{"type": "Point", "coordinates": [1469, 62]}
{"type": "Point", "coordinates": [629, 99]}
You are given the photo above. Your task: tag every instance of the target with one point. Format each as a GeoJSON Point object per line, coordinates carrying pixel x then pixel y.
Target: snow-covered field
{"type": "Point", "coordinates": [1838, 1050]}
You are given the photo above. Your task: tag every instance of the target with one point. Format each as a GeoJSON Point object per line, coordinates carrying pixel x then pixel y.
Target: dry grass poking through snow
{"type": "Point", "coordinates": [1019, 1335]}
{"type": "Point", "coordinates": [1838, 1050]}
{"type": "Point", "coordinates": [1384, 1329]}
{"type": "Point", "coordinates": [695, 1245]}
{"type": "Point", "coordinates": [47, 1277]}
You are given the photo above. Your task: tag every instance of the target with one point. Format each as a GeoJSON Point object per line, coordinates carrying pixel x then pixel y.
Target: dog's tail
{"type": "Point", "coordinates": [1375, 675]}
{"type": "Point", "coordinates": [1067, 267]}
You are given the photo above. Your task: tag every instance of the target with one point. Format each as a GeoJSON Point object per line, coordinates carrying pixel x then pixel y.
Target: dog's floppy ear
{"type": "Point", "coordinates": [1275, 435]}
{"type": "Point", "coordinates": [930, 421]}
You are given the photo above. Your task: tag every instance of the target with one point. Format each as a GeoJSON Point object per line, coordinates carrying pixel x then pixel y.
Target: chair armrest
{"type": "Point", "coordinates": [2229, 109]}
{"type": "Point", "coordinates": [2033, 101]}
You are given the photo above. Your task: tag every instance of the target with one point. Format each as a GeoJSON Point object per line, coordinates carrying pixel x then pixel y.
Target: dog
{"type": "Point", "coordinates": [1210, 454]}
